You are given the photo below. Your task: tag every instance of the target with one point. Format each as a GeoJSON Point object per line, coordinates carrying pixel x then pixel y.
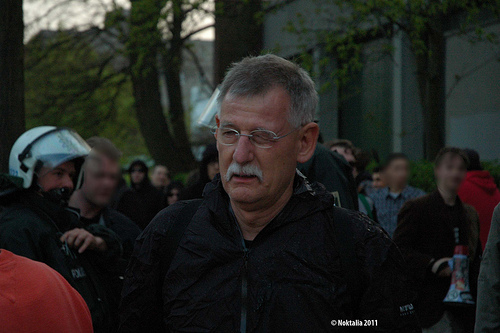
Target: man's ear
{"type": "Point", "coordinates": [308, 139]}
{"type": "Point", "coordinates": [217, 120]}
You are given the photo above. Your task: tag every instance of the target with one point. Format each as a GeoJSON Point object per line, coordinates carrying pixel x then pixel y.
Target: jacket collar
{"type": "Point", "coordinates": [306, 200]}
{"type": "Point", "coordinates": [65, 218]}
{"type": "Point", "coordinates": [438, 200]}
{"type": "Point", "coordinates": [9, 185]}
{"type": "Point", "coordinates": [387, 193]}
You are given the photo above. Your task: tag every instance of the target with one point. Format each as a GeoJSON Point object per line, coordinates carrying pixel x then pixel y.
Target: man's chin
{"type": "Point", "coordinates": [242, 194]}
{"type": "Point", "coordinates": [101, 203]}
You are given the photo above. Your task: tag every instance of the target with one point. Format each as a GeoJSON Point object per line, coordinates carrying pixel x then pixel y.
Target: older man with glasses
{"type": "Point", "coordinates": [265, 250]}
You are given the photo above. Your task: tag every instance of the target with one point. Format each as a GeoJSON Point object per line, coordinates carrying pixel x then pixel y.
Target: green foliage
{"type": "Point", "coordinates": [352, 23]}
{"type": "Point", "coordinates": [69, 84]}
{"type": "Point", "coordinates": [494, 168]}
{"type": "Point", "coordinates": [422, 174]}
{"type": "Point", "coordinates": [182, 177]}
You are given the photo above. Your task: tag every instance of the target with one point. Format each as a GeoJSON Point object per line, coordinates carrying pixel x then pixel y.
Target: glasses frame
{"type": "Point", "coordinates": [274, 138]}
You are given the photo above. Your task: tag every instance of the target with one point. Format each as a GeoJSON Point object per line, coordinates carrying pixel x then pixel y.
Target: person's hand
{"type": "Point", "coordinates": [445, 272]}
{"type": "Point", "coordinates": [81, 239]}
{"type": "Point", "coordinates": [441, 267]}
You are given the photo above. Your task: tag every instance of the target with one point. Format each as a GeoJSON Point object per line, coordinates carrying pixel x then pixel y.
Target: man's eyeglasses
{"type": "Point", "coordinates": [137, 170]}
{"type": "Point", "coordinates": [259, 138]}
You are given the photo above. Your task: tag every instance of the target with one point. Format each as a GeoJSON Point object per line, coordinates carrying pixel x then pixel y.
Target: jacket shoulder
{"type": "Point", "coordinates": [373, 245]}
{"type": "Point", "coordinates": [19, 216]}
{"type": "Point", "coordinates": [164, 219]}
{"type": "Point", "coordinates": [371, 241]}
{"type": "Point", "coordinates": [21, 231]}
{"type": "Point", "coordinates": [114, 216]}
{"type": "Point", "coordinates": [472, 214]}
{"type": "Point", "coordinates": [419, 201]}
{"type": "Point", "coordinates": [360, 223]}
{"type": "Point", "coordinates": [471, 211]}
{"type": "Point", "coordinates": [496, 212]}
{"type": "Point", "coordinates": [149, 244]}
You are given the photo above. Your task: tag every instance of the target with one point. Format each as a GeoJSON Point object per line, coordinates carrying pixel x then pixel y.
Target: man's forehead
{"type": "Point", "coordinates": [399, 162]}
{"type": "Point", "coordinates": [451, 158]}
{"type": "Point", "coordinates": [255, 111]}
{"type": "Point", "coordinates": [99, 160]}
{"type": "Point", "coordinates": [273, 101]}
{"type": "Point", "coordinates": [67, 166]}
{"type": "Point", "coordinates": [160, 169]}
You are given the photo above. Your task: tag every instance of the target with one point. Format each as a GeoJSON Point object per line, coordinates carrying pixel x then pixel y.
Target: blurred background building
{"type": "Point", "coordinates": [380, 107]}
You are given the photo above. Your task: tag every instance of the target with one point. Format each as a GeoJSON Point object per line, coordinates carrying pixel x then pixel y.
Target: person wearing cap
{"type": "Point", "coordinates": [36, 222]}
{"type": "Point", "coordinates": [209, 167]}
{"type": "Point", "coordinates": [142, 201]}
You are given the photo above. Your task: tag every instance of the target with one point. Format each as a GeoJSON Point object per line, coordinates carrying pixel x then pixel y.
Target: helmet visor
{"type": "Point", "coordinates": [59, 147]}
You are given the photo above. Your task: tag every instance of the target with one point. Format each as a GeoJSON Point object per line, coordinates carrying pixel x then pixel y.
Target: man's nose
{"type": "Point", "coordinates": [244, 151]}
{"type": "Point", "coordinates": [68, 182]}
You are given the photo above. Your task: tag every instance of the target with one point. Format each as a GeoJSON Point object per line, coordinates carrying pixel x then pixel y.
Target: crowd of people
{"type": "Point", "coordinates": [274, 232]}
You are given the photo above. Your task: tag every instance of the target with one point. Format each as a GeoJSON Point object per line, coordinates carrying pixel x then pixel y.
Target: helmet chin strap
{"type": "Point", "coordinates": [60, 196]}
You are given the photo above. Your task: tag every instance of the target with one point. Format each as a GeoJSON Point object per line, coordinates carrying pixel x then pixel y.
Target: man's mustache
{"type": "Point", "coordinates": [243, 170]}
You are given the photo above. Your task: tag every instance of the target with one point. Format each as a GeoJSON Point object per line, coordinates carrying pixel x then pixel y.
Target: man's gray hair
{"type": "Point", "coordinates": [254, 76]}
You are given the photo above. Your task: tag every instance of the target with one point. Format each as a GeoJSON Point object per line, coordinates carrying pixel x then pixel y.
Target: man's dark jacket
{"type": "Point", "coordinates": [30, 226]}
{"type": "Point", "coordinates": [332, 170]}
{"type": "Point", "coordinates": [291, 270]}
{"type": "Point", "coordinates": [123, 227]}
{"type": "Point", "coordinates": [425, 231]}
{"type": "Point", "coordinates": [113, 273]}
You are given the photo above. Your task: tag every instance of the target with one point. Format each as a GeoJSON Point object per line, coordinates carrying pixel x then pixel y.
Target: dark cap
{"type": "Point", "coordinates": [474, 161]}
{"type": "Point", "coordinates": [138, 163]}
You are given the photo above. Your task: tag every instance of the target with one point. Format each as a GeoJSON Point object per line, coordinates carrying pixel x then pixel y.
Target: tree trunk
{"type": "Point", "coordinates": [143, 46]}
{"type": "Point", "coordinates": [12, 115]}
{"type": "Point", "coordinates": [431, 79]}
{"type": "Point", "coordinates": [238, 33]}
{"type": "Point", "coordinates": [173, 67]}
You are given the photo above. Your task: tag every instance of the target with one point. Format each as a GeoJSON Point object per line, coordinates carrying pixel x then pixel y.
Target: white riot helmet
{"type": "Point", "coordinates": [44, 146]}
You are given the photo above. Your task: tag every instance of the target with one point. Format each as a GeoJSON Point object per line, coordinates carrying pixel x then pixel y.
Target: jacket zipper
{"type": "Point", "coordinates": [244, 279]}
{"type": "Point", "coordinates": [244, 291]}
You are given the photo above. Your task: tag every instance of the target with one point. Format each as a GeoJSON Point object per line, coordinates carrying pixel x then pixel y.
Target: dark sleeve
{"type": "Point", "coordinates": [128, 231]}
{"type": "Point", "coordinates": [406, 237]}
{"type": "Point", "coordinates": [389, 293]}
{"type": "Point", "coordinates": [126, 205]}
{"type": "Point", "coordinates": [326, 168]}
{"type": "Point", "coordinates": [113, 242]}
{"type": "Point", "coordinates": [141, 308]}
{"type": "Point", "coordinates": [488, 294]}
{"type": "Point", "coordinates": [162, 200]}
{"type": "Point", "coordinates": [374, 213]}
{"type": "Point", "coordinates": [474, 270]}
{"type": "Point", "coordinates": [20, 234]}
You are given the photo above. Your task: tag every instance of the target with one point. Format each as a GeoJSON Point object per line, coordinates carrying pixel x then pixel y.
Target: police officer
{"type": "Point", "coordinates": [44, 167]}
